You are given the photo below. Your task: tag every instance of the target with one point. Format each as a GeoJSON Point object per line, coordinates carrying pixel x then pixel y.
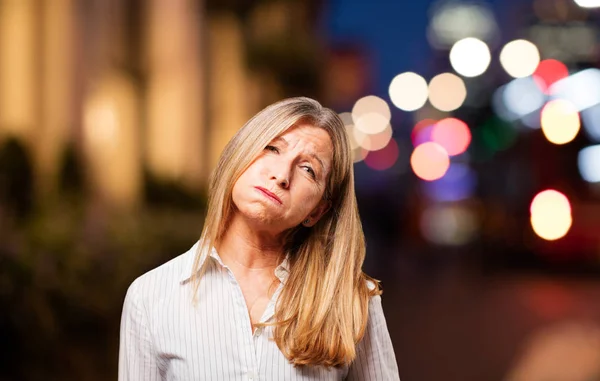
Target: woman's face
{"type": "Point", "coordinates": [284, 186]}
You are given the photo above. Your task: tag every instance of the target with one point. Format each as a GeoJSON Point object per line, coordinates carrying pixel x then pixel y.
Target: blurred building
{"type": "Point", "coordinates": [144, 88]}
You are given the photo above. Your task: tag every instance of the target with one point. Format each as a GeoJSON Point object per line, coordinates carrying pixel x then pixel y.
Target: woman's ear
{"type": "Point", "coordinates": [318, 212]}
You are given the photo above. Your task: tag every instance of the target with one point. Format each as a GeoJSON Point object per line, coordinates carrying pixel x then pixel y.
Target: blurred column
{"type": "Point", "coordinates": [228, 82]}
{"type": "Point", "coordinates": [57, 92]}
{"type": "Point", "coordinates": [175, 103]}
{"type": "Point", "coordinates": [110, 136]}
{"type": "Point", "coordinates": [18, 32]}
{"type": "Point", "coordinates": [111, 139]}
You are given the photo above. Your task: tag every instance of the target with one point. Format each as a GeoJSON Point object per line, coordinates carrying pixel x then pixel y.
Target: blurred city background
{"type": "Point", "coordinates": [476, 134]}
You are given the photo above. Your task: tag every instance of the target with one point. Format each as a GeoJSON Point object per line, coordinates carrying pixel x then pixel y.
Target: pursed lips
{"type": "Point", "coordinates": [269, 194]}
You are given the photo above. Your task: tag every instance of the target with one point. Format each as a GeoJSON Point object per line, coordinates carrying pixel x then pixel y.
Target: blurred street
{"type": "Point", "coordinates": [459, 326]}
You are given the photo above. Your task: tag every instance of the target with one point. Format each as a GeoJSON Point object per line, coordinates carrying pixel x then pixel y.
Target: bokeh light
{"type": "Point", "coordinates": [371, 114]}
{"type": "Point", "coordinates": [428, 112]}
{"type": "Point", "coordinates": [588, 162]}
{"type": "Point", "coordinates": [496, 135]}
{"type": "Point", "coordinates": [500, 107]}
{"type": "Point", "coordinates": [421, 132]}
{"type": "Point", "coordinates": [576, 89]}
{"type": "Point", "coordinates": [429, 161]}
{"type": "Point", "coordinates": [346, 117]}
{"type": "Point", "coordinates": [550, 213]}
{"type": "Point", "coordinates": [452, 134]}
{"type": "Point", "coordinates": [591, 122]}
{"type": "Point", "coordinates": [373, 142]}
{"type": "Point", "coordinates": [448, 224]}
{"type": "Point", "coordinates": [384, 158]}
{"type": "Point", "coordinates": [101, 124]}
{"type": "Point", "coordinates": [532, 120]}
{"type": "Point", "coordinates": [522, 96]}
{"type": "Point", "coordinates": [588, 3]}
{"type": "Point", "coordinates": [457, 184]}
{"type": "Point", "coordinates": [359, 138]}
{"type": "Point", "coordinates": [358, 153]}
{"type": "Point", "coordinates": [408, 91]}
{"type": "Point", "coordinates": [447, 92]}
{"type": "Point", "coordinates": [560, 121]}
{"type": "Point", "coordinates": [549, 72]}
{"type": "Point", "coordinates": [470, 57]}
{"type": "Point", "coordinates": [453, 21]}
{"type": "Point", "coordinates": [519, 58]}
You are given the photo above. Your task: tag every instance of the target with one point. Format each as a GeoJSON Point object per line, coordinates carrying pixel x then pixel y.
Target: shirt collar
{"type": "Point", "coordinates": [189, 258]}
{"type": "Point", "coordinates": [281, 272]}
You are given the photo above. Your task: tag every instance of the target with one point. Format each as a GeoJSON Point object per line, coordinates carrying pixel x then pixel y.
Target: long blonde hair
{"type": "Point", "coordinates": [322, 311]}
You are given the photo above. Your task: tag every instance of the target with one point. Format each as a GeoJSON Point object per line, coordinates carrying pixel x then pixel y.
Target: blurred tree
{"type": "Point", "coordinates": [71, 180]}
{"type": "Point", "coordinates": [165, 193]}
{"type": "Point", "coordinates": [16, 179]}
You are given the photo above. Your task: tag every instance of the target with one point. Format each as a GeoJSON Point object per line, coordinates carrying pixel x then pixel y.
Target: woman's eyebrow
{"type": "Point", "coordinates": [280, 139]}
{"type": "Point", "coordinates": [311, 154]}
{"type": "Point", "coordinates": [318, 159]}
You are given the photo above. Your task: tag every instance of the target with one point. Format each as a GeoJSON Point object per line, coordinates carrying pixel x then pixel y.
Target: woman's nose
{"type": "Point", "coordinates": [282, 179]}
{"type": "Point", "coordinates": [281, 174]}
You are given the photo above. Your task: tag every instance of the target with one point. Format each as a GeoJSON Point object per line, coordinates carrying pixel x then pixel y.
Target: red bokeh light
{"type": "Point", "coordinates": [452, 134]}
{"type": "Point", "coordinates": [548, 72]}
{"type": "Point", "coordinates": [421, 132]}
{"type": "Point", "coordinates": [383, 158]}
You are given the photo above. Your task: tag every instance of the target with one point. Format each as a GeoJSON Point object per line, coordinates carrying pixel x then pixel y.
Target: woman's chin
{"type": "Point", "coordinates": [264, 221]}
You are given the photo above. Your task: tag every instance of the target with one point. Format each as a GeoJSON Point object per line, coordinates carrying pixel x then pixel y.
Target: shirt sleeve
{"type": "Point", "coordinates": [137, 360]}
{"type": "Point", "coordinates": [375, 358]}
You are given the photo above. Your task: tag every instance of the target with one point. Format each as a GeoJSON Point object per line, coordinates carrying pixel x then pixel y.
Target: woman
{"type": "Point", "coordinates": [273, 290]}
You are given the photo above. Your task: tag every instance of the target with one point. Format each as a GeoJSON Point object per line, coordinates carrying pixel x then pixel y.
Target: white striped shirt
{"type": "Point", "coordinates": [165, 337]}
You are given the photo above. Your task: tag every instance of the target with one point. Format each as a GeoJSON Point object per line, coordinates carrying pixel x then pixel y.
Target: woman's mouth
{"type": "Point", "coordinates": [270, 195]}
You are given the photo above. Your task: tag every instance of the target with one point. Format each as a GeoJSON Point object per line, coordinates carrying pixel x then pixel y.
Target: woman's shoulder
{"type": "Point", "coordinates": [164, 277]}
{"type": "Point", "coordinates": [374, 297]}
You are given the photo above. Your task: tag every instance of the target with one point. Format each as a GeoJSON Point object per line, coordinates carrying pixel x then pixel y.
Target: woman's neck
{"type": "Point", "coordinates": [244, 247]}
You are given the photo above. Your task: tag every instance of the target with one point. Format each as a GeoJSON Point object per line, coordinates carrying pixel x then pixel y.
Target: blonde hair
{"type": "Point", "coordinates": [322, 311]}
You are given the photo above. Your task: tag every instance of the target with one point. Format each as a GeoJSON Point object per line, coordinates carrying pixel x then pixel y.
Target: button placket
{"type": "Point", "coordinates": [246, 326]}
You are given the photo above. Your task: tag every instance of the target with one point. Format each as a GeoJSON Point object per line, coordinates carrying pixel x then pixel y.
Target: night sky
{"type": "Point", "coordinates": [394, 32]}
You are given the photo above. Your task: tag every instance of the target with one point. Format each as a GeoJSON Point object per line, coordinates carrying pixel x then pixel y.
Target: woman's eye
{"type": "Point", "coordinates": [310, 170]}
{"type": "Point", "coordinates": [272, 148]}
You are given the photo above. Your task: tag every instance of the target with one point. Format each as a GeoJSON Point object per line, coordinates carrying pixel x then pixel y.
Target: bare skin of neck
{"type": "Point", "coordinates": [252, 255]}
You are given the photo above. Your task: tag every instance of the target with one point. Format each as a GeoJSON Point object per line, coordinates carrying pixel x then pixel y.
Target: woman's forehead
{"type": "Point", "coordinates": [315, 137]}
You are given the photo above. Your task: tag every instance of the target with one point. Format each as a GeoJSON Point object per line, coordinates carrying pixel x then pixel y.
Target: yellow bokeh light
{"type": "Point", "coordinates": [447, 92]}
{"type": "Point", "coordinates": [346, 118]}
{"type": "Point", "coordinates": [588, 3]}
{"type": "Point", "coordinates": [373, 142]}
{"type": "Point", "coordinates": [361, 142]}
{"type": "Point", "coordinates": [408, 91]}
{"type": "Point", "coordinates": [448, 224]}
{"type": "Point", "coordinates": [551, 215]}
{"type": "Point", "coordinates": [453, 20]}
{"type": "Point", "coordinates": [550, 201]}
{"type": "Point", "coordinates": [519, 58]}
{"type": "Point", "coordinates": [371, 114]}
{"type": "Point", "coordinates": [430, 161]}
{"type": "Point", "coordinates": [358, 152]}
{"type": "Point", "coordinates": [470, 57]}
{"type": "Point", "coordinates": [101, 123]}
{"type": "Point", "coordinates": [560, 121]}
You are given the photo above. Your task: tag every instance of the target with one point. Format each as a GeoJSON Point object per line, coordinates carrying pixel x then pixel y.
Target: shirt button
{"type": "Point", "coordinates": [251, 376]}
